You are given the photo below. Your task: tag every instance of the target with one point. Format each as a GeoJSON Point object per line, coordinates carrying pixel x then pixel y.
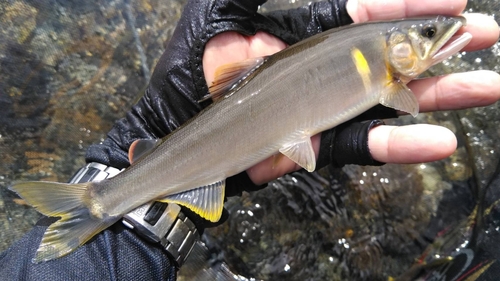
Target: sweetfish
{"type": "Point", "coordinates": [262, 107]}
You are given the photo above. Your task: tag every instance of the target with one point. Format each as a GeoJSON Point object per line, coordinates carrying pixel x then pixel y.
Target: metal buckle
{"type": "Point", "coordinates": [164, 223]}
{"type": "Point", "coordinates": [157, 222]}
{"type": "Point", "coordinates": [94, 172]}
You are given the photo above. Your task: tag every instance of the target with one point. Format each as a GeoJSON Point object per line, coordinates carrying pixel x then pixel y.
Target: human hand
{"type": "Point", "coordinates": [406, 144]}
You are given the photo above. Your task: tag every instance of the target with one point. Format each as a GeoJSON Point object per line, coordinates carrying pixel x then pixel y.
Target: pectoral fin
{"type": "Point", "coordinates": [206, 201]}
{"type": "Point", "coordinates": [302, 153]}
{"type": "Point", "coordinates": [140, 148]}
{"type": "Point", "coordinates": [400, 97]}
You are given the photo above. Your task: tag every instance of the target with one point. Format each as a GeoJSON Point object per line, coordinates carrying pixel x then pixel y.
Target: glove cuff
{"type": "Point", "coordinates": [347, 144]}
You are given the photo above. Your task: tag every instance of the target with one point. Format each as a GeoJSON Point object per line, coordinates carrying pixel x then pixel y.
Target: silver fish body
{"type": "Point", "coordinates": [287, 101]}
{"type": "Point", "coordinates": [296, 93]}
{"type": "Point", "coordinates": [274, 106]}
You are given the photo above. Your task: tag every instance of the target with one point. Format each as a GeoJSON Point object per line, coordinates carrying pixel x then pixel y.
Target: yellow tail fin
{"type": "Point", "coordinates": [75, 226]}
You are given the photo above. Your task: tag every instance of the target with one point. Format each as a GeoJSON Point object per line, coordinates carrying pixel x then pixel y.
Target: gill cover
{"type": "Point", "coordinates": [412, 47]}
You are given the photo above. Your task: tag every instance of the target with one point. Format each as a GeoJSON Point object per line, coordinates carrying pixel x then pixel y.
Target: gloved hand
{"type": "Point", "coordinates": [172, 97]}
{"type": "Point", "coordinates": [178, 82]}
{"type": "Point", "coordinates": [204, 42]}
{"type": "Point", "coordinates": [182, 74]}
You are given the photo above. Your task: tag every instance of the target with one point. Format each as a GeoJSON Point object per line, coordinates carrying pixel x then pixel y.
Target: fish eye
{"type": "Point", "coordinates": [429, 31]}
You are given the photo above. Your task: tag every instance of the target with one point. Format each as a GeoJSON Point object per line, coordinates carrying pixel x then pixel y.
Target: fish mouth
{"type": "Point", "coordinates": [450, 43]}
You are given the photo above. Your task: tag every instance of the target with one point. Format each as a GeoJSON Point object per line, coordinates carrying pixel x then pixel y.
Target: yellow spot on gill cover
{"type": "Point", "coordinates": [388, 73]}
{"type": "Point", "coordinates": [362, 67]}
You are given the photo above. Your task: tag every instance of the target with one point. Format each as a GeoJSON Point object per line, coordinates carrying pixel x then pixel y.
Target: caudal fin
{"type": "Point", "coordinates": [76, 225]}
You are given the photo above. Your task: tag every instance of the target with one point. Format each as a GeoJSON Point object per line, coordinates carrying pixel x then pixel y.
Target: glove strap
{"type": "Point", "coordinates": [155, 221]}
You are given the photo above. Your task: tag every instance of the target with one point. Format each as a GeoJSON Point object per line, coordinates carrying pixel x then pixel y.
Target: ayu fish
{"type": "Point", "coordinates": [263, 106]}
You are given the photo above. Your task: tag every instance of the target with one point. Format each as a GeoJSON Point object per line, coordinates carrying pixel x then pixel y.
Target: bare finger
{"type": "Point", "coordinates": [411, 144]}
{"type": "Point", "coordinates": [457, 91]}
{"type": "Point", "coordinates": [484, 30]}
{"type": "Point", "coordinates": [369, 10]}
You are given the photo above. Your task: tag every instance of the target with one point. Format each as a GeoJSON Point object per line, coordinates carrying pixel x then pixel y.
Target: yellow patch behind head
{"type": "Point", "coordinates": [362, 67]}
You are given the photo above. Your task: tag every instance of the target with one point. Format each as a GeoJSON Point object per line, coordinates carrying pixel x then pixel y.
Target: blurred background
{"type": "Point", "coordinates": [69, 69]}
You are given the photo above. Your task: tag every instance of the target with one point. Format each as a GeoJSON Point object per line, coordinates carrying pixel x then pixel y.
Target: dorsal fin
{"type": "Point", "coordinates": [226, 76]}
{"type": "Point", "coordinates": [141, 148]}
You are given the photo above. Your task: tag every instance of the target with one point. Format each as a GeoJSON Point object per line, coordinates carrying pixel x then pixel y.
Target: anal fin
{"type": "Point", "coordinates": [206, 201]}
{"type": "Point", "coordinates": [302, 153]}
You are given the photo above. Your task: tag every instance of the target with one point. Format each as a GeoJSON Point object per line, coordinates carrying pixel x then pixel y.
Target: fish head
{"type": "Point", "coordinates": [414, 45]}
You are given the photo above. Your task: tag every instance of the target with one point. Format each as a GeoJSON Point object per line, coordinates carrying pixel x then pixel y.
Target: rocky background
{"type": "Point", "coordinates": [69, 69]}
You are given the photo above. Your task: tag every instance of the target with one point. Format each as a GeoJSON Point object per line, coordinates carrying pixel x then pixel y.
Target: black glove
{"type": "Point", "coordinates": [348, 142]}
{"type": "Point", "coordinates": [170, 100]}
